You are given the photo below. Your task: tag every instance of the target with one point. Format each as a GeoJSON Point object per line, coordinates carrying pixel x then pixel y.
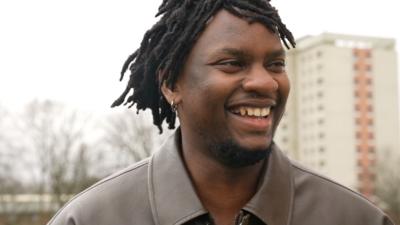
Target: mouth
{"type": "Point", "coordinates": [252, 118]}
{"type": "Point", "coordinates": [252, 112]}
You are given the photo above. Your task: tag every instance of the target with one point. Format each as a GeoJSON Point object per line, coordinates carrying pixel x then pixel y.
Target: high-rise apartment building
{"type": "Point", "coordinates": [343, 108]}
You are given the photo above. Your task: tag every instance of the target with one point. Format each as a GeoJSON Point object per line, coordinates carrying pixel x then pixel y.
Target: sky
{"type": "Point", "coordinates": [72, 51]}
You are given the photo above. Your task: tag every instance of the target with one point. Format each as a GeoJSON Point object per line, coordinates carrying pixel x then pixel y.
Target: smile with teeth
{"type": "Point", "coordinates": [252, 111]}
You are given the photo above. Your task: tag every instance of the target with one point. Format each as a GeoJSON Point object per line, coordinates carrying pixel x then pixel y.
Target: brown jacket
{"type": "Point", "coordinates": [158, 191]}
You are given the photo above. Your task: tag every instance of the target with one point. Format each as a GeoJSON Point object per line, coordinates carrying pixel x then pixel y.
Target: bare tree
{"type": "Point", "coordinates": [131, 136]}
{"type": "Point", "coordinates": [388, 183]}
{"type": "Point", "coordinates": [56, 142]}
{"type": "Point", "coordinates": [4, 165]}
{"type": "Point", "coordinates": [8, 181]}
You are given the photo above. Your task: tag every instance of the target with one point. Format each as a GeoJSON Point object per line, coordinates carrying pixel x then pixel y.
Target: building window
{"type": "Point", "coordinates": [370, 136]}
{"type": "Point", "coordinates": [371, 149]}
{"type": "Point", "coordinates": [370, 122]}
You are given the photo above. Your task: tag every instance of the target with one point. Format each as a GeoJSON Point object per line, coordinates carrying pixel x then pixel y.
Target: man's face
{"type": "Point", "coordinates": [233, 87]}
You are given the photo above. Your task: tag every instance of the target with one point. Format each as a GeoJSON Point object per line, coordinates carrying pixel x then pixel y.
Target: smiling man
{"type": "Point", "coordinates": [235, 82]}
{"type": "Point", "coordinates": [219, 66]}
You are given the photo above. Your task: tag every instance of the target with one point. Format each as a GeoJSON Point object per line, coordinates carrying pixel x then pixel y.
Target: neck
{"type": "Point", "coordinates": [222, 190]}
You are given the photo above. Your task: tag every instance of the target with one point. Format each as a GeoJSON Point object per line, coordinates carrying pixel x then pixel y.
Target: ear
{"type": "Point", "coordinates": [172, 95]}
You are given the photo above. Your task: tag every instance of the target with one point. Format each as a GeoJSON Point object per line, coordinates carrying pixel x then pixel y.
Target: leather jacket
{"type": "Point", "coordinates": [158, 191]}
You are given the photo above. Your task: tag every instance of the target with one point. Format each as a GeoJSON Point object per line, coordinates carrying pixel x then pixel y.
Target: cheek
{"type": "Point", "coordinates": [203, 99]}
{"type": "Point", "coordinates": [211, 96]}
{"type": "Point", "coordinates": [207, 90]}
{"type": "Point", "coordinates": [207, 101]}
{"type": "Point", "coordinates": [284, 87]}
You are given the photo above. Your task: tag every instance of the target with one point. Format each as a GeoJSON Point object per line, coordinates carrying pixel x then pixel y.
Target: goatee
{"type": "Point", "coordinates": [231, 154]}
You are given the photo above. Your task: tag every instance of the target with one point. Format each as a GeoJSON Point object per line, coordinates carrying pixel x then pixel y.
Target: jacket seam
{"type": "Point", "coordinates": [292, 193]}
{"type": "Point", "coordinates": [151, 192]}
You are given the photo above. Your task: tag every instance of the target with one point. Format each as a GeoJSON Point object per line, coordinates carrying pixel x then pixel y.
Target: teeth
{"type": "Point", "coordinates": [242, 111]}
{"type": "Point", "coordinates": [252, 111]}
{"type": "Point", "coordinates": [265, 111]}
{"type": "Point", "coordinates": [257, 112]}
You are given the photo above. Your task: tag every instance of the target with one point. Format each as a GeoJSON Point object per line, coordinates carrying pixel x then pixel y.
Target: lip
{"type": "Point", "coordinates": [257, 103]}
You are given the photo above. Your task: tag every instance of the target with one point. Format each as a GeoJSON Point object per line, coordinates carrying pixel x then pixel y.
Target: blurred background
{"type": "Point", "coordinates": [59, 71]}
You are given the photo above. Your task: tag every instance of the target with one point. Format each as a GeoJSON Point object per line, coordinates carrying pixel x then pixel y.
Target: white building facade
{"type": "Point", "coordinates": [343, 106]}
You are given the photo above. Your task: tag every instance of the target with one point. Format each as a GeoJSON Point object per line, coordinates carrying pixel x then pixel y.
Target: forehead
{"type": "Point", "coordinates": [225, 30]}
{"type": "Point", "coordinates": [229, 20]}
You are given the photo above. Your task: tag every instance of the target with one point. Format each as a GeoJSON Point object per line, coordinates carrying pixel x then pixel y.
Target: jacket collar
{"type": "Point", "coordinates": [173, 198]}
{"type": "Point", "coordinates": [273, 201]}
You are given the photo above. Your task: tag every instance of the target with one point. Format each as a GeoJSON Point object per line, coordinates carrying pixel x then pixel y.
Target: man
{"type": "Point", "coordinates": [219, 66]}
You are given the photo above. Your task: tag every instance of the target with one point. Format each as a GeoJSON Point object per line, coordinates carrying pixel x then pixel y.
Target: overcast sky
{"type": "Point", "coordinates": [72, 51]}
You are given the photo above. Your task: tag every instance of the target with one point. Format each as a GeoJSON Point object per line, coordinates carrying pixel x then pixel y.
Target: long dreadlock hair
{"type": "Point", "coordinates": [167, 44]}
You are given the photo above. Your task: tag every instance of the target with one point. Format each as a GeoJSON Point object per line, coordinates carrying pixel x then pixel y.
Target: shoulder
{"type": "Point", "coordinates": [332, 203]}
{"type": "Point", "coordinates": [110, 200]}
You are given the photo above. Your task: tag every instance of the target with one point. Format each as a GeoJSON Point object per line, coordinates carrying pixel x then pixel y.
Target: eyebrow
{"type": "Point", "coordinates": [277, 53]}
{"type": "Point", "coordinates": [241, 53]}
{"type": "Point", "coordinates": [232, 51]}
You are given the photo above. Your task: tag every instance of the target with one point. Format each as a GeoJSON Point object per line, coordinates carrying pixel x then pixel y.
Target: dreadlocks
{"type": "Point", "coordinates": [166, 45]}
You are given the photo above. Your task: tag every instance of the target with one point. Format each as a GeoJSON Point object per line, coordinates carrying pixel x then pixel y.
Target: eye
{"type": "Point", "coordinates": [277, 66]}
{"type": "Point", "coordinates": [230, 65]}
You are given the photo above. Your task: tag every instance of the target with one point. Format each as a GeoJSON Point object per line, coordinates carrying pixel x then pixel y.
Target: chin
{"type": "Point", "coordinates": [234, 155]}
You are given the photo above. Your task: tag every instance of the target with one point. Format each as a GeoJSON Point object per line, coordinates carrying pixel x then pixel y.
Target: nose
{"type": "Point", "coordinates": [260, 81]}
